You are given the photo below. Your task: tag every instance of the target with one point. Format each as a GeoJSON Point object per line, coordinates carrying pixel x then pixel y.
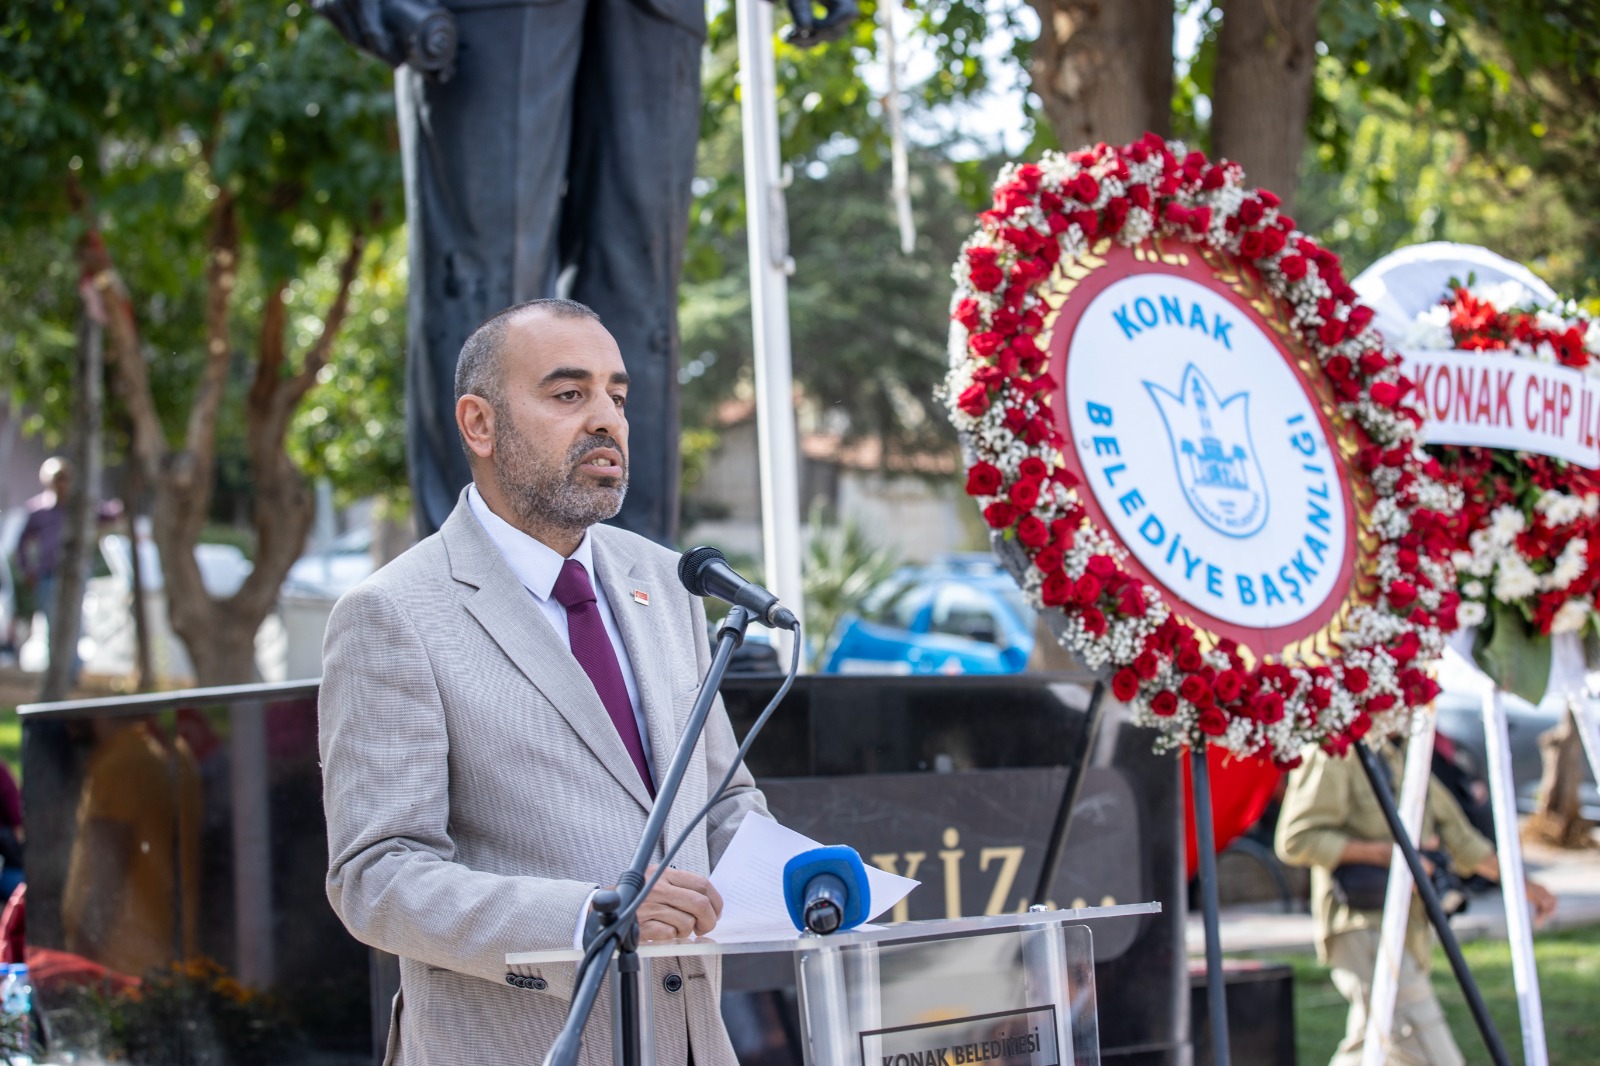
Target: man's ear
{"type": "Point", "coordinates": [475, 420]}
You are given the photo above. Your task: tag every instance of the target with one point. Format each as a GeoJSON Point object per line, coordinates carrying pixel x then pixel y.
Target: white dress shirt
{"type": "Point", "coordinates": [537, 565]}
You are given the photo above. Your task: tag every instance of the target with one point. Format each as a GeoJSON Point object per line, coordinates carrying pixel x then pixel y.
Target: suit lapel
{"type": "Point", "coordinates": [513, 620]}
{"type": "Point", "coordinates": [640, 627]}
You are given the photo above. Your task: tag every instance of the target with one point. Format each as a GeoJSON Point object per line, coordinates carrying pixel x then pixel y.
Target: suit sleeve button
{"type": "Point", "coordinates": [672, 982]}
{"type": "Point", "coordinates": [538, 984]}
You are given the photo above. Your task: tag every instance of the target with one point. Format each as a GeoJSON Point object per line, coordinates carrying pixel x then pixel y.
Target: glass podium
{"type": "Point", "coordinates": [1010, 989]}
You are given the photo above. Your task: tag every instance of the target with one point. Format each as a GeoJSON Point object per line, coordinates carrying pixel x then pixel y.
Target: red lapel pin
{"type": "Point", "coordinates": [641, 596]}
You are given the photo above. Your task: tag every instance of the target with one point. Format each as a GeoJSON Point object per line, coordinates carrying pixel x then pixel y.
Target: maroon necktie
{"type": "Point", "coordinates": [591, 646]}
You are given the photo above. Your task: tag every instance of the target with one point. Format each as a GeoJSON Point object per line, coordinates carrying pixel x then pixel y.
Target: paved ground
{"type": "Point", "coordinates": [1574, 876]}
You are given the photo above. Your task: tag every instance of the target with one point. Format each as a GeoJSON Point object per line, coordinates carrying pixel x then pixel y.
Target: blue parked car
{"type": "Point", "coordinates": [960, 615]}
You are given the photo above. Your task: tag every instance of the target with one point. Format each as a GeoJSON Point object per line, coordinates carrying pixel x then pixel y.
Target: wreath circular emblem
{"type": "Point", "coordinates": [1094, 277]}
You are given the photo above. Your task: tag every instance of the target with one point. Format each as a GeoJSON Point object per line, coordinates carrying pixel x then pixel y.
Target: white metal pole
{"type": "Point", "coordinates": [1588, 729]}
{"type": "Point", "coordinates": [1397, 900]}
{"type": "Point", "coordinates": [1519, 927]}
{"type": "Point", "coordinates": [770, 266]}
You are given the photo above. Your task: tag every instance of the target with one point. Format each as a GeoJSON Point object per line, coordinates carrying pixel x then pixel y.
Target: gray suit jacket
{"type": "Point", "coordinates": [476, 791]}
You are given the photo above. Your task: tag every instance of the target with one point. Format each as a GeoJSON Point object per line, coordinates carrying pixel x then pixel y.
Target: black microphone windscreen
{"type": "Point", "coordinates": [692, 563]}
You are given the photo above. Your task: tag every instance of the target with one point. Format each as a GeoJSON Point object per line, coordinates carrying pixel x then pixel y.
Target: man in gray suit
{"type": "Point", "coordinates": [495, 705]}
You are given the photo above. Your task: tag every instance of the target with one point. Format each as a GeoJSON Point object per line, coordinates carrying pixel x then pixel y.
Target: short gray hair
{"type": "Point", "coordinates": [478, 368]}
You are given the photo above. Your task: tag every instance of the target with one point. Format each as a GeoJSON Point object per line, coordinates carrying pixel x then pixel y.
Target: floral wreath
{"type": "Point", "coordinates": [1189, 686]}
{"type": "Point", "coordinates": [1530, 523]}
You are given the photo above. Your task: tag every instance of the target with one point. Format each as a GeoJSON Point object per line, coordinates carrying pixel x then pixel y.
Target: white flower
{"type": "Point", "coordinates": [1570, 564]}
{"type": "Point", "coordinates": [1570, 618]}
{"type": "Point", "coordinates": [1505, 524]}
{"type": "Point", "coordinates": [1502, 295]}
{"type": "Point", "coordinates": [1471, 613]}
{"type": "Point", "coordinates": [1549, 322]}
{"type": "Point", "coordinates": [1431, 330]}
{"type": "Point", "coordinates": [1560, 508]}
{"type": "Point", "coordinates": [1473, 590]}
{"type": "Point", "coordinates": [1591, 338]}
{"type": "Point", "coordinates": [1514, 579]}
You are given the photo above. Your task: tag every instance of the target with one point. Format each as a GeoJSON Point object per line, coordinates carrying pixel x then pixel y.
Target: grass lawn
{"type": "Point", "coordinates": [1569, 984]}
{"type": "Point", "coordinates": [11, 741]}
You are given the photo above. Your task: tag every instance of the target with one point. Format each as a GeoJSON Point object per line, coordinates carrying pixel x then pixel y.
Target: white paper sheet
{"type": "Point", "coordinates": [750, 878]}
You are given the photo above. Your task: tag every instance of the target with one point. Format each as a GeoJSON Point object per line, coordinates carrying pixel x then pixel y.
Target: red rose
{"type": "Point", "coordinates": [1084, 187]}
{"type": "Point", "coordinates": [974, 400]}
{"type": "Point", "coordinates": [1406, 648]}
{"type": "Point", "coordinates": [1380, 703]}
{"type": "Point", "coordinates": [1025, 494]}
{"type": "Point", "coordinates": [1385, 394]}
{"type": "Point", "coordinates": [1033, 532]}
{"type": "Point", "coordinates": [1339, 367]}
{"type": "Point", "coordinates": [1250, 212]}
{"type": "Point", "coordinates": [1064, 532]}
{"type": "Point", "coordinates": [1049, 559]}
{"type": "Point", "coordinates": [1000, 515]}
{"type": "Point", "coordinates": [1056, 589]}
{"type": "Point", "coordinates": [1293, 266]}
{"type": "Point", "coordinates": [1164, 703]}
{"type": "Point", "coordinates": [1033, 468]}
{"type": "Point", "coordinates": [1372, 362]}
{"type": "Point", "coordinates": [986, 278]}
{"type": "Point", "coordinates": [1086, 590]}
{"type": "Point", "coordinates": [980, 254]}
{"type": "Point", "coordinates": [1331, 332]}
{"type": "Point", "coordinates": [1252, 245]}
{"type": "Point", "coordinates": [1125, 684]}
{"type": "Point", "coordinates": [1401, 593]}
{"type": "Point", "coordinates": [1102, 566]}
{"type": "Point", "coordinates": [1130, 599]}
{"type": "Point", "coordinates": [1228, 685]}
{"type": "Point", "coordinates": [1195, 690]}
{"type": "Point", "coordinates": [985, 343]}
{"type": "Point", "coordinates": [1359, 317]}
{"type": "Point", "coordinates": [1189, 659]}
{"type": "Point", "coordinates": [1094, 623]}
{"type": "Point", "coordinates": [983, 479]}
{"type": "Point", "coordinates": [1176, 213]}
{"type": "Point", "coordinates": [1267, 707]}
{"type": "Point", "coordinates": [1201, 219]}
{"type": "Point", "coordinates": [1287, 764]}
{"type": "Point", "coordinates": [967, 313]}
{"type": "Point", "coordinates": [1360, 725]}
{"type": "Point", "coordinates": [1212, 722]}
{"type": "Point", "coordinates": [1116, 212]}
{"type": "Point", "coordinates": [1356, 680]}
{"type": "Point", "coordinates": [1146, 665]}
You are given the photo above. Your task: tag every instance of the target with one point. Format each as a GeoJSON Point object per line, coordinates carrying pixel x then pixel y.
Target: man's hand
{"type": "Point", "coordinates": [1542, 900]}
{"type": "Point", "coordinates": [681, 903]}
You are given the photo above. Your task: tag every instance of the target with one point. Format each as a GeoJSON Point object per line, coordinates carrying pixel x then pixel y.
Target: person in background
{"type": "Point", "coordinates": [1331, 822]}
{"type": "Point", "coordinates": [39, 548]}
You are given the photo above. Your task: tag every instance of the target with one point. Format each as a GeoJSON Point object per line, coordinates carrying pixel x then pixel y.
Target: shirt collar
{"type": "Point", "coordinates": [535, 563]}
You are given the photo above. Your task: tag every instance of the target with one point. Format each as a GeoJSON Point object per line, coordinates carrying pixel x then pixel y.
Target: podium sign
{"type": "Point", "coordinates": [1011, 997]}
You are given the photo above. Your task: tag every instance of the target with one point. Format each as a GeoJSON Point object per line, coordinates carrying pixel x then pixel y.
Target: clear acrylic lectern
{"type": "Point", "coordinates": [1006, 990]}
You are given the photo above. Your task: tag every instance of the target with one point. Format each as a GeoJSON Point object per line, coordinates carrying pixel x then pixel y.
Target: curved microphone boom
{"type": "Point", "coordinates": [705, 571]}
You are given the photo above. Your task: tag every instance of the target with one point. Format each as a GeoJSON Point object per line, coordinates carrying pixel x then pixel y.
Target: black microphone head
{"type": "Point", "coordinates": [692, 563]}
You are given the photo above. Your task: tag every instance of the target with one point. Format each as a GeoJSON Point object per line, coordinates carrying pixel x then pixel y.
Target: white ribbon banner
{"type": "Point", "coordinates": [1495, 400]}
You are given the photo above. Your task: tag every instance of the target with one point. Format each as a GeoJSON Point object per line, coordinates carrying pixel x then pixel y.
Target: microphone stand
{"type": "Point", "coordinates": [609, 903]}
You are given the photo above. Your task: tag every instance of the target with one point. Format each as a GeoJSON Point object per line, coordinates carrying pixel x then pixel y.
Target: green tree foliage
{"type": "Point", "coordinates": [206, 177]}
{"type": "Point", "coordinates": [867, 322]}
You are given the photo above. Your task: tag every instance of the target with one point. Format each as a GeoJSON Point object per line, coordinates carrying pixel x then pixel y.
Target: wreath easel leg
{"type": "Point", "coordinates": [1430, 903]}
{"type": "Point", "coordinates": [1216, 989]}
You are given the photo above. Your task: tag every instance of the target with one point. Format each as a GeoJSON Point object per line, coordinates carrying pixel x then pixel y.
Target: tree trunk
{"type": "Point", "coordinates": [1104, 68]}
{"type": "Point", "coordinates": [82, 505]}
{"type": "Point", "coordinates": [1261, 96]}
{"type": "Point", "coordinates": [1557, 820]}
